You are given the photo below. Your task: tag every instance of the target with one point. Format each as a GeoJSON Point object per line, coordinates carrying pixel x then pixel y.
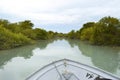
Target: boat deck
{"type": "Point", "coordinates": [66, 69]}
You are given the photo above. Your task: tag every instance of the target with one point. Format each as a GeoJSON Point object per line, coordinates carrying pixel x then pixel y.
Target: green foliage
{"type": "Point", "coordinates": [4, 23]}
{"type": "Point", "coordinates": [9, 39]}
{"type": "Point", "coordinates": [26, 24]}
{"type": "Point", "coordinates": [104, 32]}
{"type": "Point", "coordinates": [86, 34]}
{"type": "Point", "coordinates": [29, 33]}
{"type": "Point", "coordinates": [21, 33]}
{"type": "Point", "coordinates": [51, 34]}
{"type": "Point", "coordinates": [41, 34]}
{"type": "Point", "coordinates": [71, 34]}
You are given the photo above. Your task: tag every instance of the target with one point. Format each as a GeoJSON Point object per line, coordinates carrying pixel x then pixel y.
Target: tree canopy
{"type": "Point", "coordinates": [104, 32]}
{"type": "Point", "coordinates": [19, 33]}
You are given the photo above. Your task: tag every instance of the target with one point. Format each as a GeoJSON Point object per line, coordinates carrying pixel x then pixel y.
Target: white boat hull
{"type": "Point", "coordinates": [66, 69]}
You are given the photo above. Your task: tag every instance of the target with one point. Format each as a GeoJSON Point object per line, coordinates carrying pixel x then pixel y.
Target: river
{"type": "Point", "coordinates": [18, 63]}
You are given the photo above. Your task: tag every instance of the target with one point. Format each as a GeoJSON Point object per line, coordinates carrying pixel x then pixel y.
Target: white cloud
{"type": "Point", "coordinates": [60, 11]}
{"type": "Point", "coordinates": [42, 10]}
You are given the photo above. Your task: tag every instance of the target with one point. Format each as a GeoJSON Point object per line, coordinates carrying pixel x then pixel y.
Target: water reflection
{"type": "Point", "coordinates": [43, 43]}
{"type": "Point", "coordinates": [25, 52]}
{"type": "Point", "coordinates": [43, 52]}
{"type": "Point", "coordinates": [106, 58]}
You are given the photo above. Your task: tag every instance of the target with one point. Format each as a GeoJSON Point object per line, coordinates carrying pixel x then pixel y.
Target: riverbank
{"type": "Point", "coordinates": [18, 34]}
{"type": "Point", "coordinates": [33, 57]}
{"type": "Point", "coordinates": [105, 32]}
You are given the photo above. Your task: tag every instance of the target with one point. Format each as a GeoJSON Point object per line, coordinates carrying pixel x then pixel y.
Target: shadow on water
{"type": "Point", "coordinates": [25, 52]}
{"type": "Point", "coordinates": [106, 58]}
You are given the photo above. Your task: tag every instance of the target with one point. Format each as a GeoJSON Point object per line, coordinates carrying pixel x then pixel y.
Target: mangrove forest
{"type": "Point", "coordinates": [104, 32]}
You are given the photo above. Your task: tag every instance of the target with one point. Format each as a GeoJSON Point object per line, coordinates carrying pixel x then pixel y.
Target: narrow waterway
{"type": "Point", "coordinates": [18, 63]}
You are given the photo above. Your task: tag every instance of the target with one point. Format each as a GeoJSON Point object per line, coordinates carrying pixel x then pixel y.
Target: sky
{"type": "Point", "coordinates": [58, 15]}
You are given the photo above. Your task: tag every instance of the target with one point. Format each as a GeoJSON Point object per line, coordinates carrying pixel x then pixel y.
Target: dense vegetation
{"type": "Point", "coordinates": [104, 32]}
{"type": "Point", "coordinates": [21, 33]}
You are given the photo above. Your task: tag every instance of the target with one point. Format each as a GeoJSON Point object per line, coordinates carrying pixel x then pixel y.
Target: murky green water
{"type": "Point", "coordinates": [18, 63]}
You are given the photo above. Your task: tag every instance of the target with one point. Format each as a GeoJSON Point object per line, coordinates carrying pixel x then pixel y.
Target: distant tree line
{"type": "Point", "coordinates": [21, 33]}
{"type": "Point", "coordinates": [104, 32]}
